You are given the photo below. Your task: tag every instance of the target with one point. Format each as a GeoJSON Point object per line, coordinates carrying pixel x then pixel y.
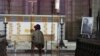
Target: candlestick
{"type": "Point", "coordinates": [61, 43]}
{"type": "Point", "coordinates": [5, 23]}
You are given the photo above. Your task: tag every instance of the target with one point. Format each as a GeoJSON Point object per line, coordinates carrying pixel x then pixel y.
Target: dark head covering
{"type": "Point", "coordinates": [37, 27]}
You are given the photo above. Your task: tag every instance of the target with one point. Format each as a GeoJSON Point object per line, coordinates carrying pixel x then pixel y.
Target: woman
{"type": "Point", "coordinates": [38, 39]}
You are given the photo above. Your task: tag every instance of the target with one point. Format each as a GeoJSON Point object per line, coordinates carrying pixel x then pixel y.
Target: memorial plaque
{"type": "Point", "coordinates": [87, 25]}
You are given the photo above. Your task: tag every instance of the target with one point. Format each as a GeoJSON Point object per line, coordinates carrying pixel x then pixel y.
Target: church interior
{"type": "Point", "coordinates": [68, 27]}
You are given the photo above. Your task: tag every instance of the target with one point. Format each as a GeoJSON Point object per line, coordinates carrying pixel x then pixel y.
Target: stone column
{"type": "Point", "coordinates": [95, 9]}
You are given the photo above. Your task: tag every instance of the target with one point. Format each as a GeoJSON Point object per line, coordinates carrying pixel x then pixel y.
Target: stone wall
{"type": "Point", "coordinates": [75, 10]}
{"type": "Point", "coordinates": [3, 6]}
{"type": "Point", "coordinates": [95, 9]}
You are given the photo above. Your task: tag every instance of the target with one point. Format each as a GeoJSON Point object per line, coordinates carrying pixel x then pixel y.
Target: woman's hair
{"type": "Point", "coordinates": [37, 27]}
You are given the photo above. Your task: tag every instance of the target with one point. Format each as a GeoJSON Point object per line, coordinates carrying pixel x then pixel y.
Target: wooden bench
{"type": "Point", "coordinates": [87, 47]}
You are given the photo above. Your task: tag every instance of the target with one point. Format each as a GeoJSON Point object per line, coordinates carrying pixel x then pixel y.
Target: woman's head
{"type": "Point", "coordinates": [86, 21]}
{"type": "Point", "coordinates": [37, 27]}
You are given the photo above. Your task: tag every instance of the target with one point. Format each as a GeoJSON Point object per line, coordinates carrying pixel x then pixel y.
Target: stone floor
{"type": "Point", "coordinates": [70, 46]}
{"type": "Point", "coordinates": [29, 54]}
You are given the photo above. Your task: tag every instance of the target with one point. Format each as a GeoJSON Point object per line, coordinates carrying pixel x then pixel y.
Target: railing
{"type": "Point", "coordinates": [87, 47]}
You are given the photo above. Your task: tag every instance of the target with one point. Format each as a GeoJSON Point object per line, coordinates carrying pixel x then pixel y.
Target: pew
{"type": "Point", "coordinates": [87, 47]}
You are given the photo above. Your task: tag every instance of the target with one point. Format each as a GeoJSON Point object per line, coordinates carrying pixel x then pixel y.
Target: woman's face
{"type": "Point", "coordinates": [85, 21]}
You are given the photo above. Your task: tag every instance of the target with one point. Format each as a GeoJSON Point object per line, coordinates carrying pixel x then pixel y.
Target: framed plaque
{"type": "Point", "coordinates": [87, 25]}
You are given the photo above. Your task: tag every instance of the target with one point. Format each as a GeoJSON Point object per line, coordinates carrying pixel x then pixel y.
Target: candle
{"type": "Point", "coordinates": [5, 20]}
{"type": "Point", "coordinates": [62, 20]}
